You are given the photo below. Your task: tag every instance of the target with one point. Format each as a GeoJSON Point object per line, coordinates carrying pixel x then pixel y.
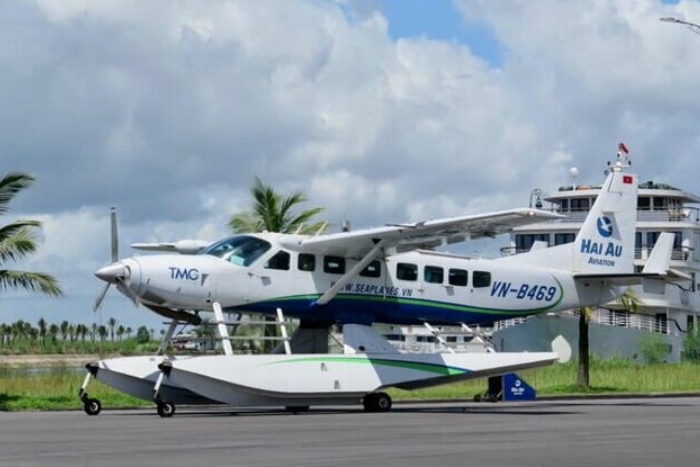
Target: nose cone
{"type": "Point", "coordinates": [111, 272]}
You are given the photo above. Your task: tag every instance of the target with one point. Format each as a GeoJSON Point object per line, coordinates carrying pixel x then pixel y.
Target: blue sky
{"type": "Point", "coordinates": [440, 20]}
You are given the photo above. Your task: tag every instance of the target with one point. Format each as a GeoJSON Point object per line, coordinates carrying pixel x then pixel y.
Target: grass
{"type": "Point", "coordinates": [614, 377]}
{"type": "Point", "coordinates": [57, 388]}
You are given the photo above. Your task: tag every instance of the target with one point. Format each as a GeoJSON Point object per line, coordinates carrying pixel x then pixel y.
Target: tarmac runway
{"type": "Point", "coordinates": [611, 432]}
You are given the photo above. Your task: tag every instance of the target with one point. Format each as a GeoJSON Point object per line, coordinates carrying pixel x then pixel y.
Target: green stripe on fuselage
{"type": "Point", "coordinates": [442, 370]}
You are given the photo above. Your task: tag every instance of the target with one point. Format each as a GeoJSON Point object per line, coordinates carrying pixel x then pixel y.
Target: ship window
{"type": "Point", "coordinates": [373, 269]}
{"type": "Point", "coordinates": [306, 262]}
{"type": "Point", "coordinates": [457, 277]}
{"type": "Point", "coordinates": [523, 242]}
{"type": "Point", "coordinates": [334, 264]}
{"type": "Point", "coordinates": [395, 337]}
{"type": "Point", "coordinates": [564, 205]}
{"type": "Point", "coordinates": [241, 250]}
{"type": "Point", "coordinates": [643, 203]}
{"type": "Point", "coordinates": [638, 240]}
{"type": "Point", "coordinates": [279, 261]}
{"type": "Point", "coordinates": [433, 274]}
{"type": "Point", "coordinates": [651, 239]}
{"type": "Point", "coordinates": [406, 271]}
{"type": "Point", "coordinates": [482, 279]}
{"type": "Point", "coordinates": [562, 238]}
{"type": "Point", "coordinates": [580, 204]}
{"type": "Point", "coordinates": [660, 203]}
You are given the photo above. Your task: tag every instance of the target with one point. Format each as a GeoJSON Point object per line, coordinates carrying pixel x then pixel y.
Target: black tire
{"type": "Point", "coordinates": [295, 409]}
{"type": "Point", "coordinates": [165, 409]}
{"type": "Point", "coordinates": [377, 402]}
{"type": "Point", "coordinates": [383, 402]}
{"type": "Point", "coordinates": [92, 406]}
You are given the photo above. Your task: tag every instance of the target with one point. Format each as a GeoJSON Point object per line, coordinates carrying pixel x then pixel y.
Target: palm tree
{"type": "Point", "coordinates": [273, 213]}
{"type": "Point", "coordinates": [627, 301]}
{"type": "Point", "coordinates": [42, 329]}
{"type": "Point", "coordinates": [112, 323]}
{"type": "Point", "coordinates": [17, 240]}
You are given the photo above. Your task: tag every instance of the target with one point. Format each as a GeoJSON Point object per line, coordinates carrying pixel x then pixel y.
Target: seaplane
{"type": "Point", "coordinates": [389, 274]}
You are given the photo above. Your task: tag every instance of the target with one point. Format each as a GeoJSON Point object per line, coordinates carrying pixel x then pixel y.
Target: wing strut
{"type": "Point", "coordinates": [333, 291]}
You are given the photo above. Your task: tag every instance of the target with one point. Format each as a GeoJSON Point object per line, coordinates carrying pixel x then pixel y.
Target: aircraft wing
{"type": "Point", "coordinates": [426, 234]}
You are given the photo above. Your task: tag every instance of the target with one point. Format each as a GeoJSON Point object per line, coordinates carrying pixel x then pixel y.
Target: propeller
{"type": "Point", "coordinates": [116, 273]}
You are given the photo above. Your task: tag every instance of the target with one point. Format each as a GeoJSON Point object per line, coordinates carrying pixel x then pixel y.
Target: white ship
{"type": "Point", "coordinates": [669, 309]}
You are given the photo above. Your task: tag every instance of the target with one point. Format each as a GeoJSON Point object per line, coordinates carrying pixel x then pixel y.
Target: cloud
{"type": "Point", "coordinates": [168, 109]}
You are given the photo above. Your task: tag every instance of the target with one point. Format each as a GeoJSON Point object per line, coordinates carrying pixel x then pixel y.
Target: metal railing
{"type": "Point", "coordinates": [623, 319]}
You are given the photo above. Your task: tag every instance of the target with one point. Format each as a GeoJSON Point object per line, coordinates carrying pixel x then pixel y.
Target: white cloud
{"type": "Point", "coordinates": [167, 110]}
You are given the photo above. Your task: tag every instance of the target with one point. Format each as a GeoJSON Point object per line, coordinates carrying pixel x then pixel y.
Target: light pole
{"type": "Point", "coordinates": [695, 28]}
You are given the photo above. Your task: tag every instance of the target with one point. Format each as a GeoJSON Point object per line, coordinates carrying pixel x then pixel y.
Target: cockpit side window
{"type": "Point", "coordinates": [241, 250]}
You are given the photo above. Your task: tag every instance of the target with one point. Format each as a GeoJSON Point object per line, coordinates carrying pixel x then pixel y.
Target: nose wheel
{"type": "Point", "coordinates": [165, 409]}
{"type": "Point", "coordinates": [92, 406]}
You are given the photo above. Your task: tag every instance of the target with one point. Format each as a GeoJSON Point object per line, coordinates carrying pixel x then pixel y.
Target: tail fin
{"type": "Point", "coordinates": [605, 243]}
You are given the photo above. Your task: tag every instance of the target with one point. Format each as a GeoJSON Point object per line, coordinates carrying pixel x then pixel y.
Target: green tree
{"type": "Point", "coordinates": [112, 323]}
{"type": "Point", "coordinates": [17, 240]}
{"type": "Point", "coordinates": [42, 329]}
{"type": "Point", "coordinates": [102, 332]}
{"type": "Point", "coordinates": [142, 335]}
{"type": "Point", "coordinates": [274, 213]}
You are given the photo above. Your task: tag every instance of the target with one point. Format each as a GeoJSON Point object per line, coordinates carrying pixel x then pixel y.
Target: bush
{"type": "Point", "coordinates": [654, 348]}
{"type": "Point", "coordinates": [691, 346]}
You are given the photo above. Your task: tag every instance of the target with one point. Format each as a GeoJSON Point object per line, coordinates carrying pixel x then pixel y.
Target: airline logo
{"type": "Point", "coordinates": [602, 253]}
{"type": "Point", "coordinates": [605, 227]}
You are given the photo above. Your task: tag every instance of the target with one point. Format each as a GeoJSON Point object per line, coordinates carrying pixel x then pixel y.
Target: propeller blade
{"type": "Point", "coordinates": [98, 302]}
{"type": "Point", "coordinates": [124, 288]}
{"type": "Point", "coordinates": [115, 236]}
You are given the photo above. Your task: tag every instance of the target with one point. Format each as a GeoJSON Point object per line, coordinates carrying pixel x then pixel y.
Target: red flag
{"type": "Point", "coordinates": [622, 147]}
{"type": "Point", "coordinates": [627, 179]}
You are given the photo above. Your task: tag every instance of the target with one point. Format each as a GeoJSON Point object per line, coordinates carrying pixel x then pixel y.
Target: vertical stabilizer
{"type": "Point", "coordinates": [605, 243]}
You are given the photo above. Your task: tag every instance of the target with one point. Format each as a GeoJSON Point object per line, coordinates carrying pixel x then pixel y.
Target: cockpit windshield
{"type": "Point", "coordinates": [241, 250]}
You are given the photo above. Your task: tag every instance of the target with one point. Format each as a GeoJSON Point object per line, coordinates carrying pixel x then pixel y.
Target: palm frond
{"type": "Point", "coordinates": [30, 281]}
{"type": "Point", "coordinates": [10, 185]}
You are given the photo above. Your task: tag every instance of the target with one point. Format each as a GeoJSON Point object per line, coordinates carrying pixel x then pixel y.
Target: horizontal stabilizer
{"type": "Point", "coordinates": [184, 247]}
{"type": "Point", "coordinates": [660, 257]}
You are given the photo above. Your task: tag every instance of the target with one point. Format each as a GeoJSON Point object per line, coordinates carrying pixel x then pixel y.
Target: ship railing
{"type": "Point", "coordinates": [677, 254]}
{"type": "Point", "coordinates": [603, 316]}
{"type": "Point", "coordinates": [653, 214]}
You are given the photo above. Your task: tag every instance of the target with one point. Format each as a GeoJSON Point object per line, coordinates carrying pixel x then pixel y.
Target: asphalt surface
{"type": "Point", "coordinates": [623, 432]}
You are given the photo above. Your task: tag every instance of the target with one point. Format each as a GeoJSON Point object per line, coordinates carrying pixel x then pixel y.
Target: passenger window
{"type": "Point", "coordinates": [373, 269]}
{"type": "Point", "coordinates": [482, 279]}
{"type": "Point", "coordinates": [334, 264]}
{"type": "Point", "coordinates": [457, 277]}
{"type": "Point", "coordinates": [306, 262]}
{"type": "Point", "coordinates": [406, 271]}
{"type": "Point", "coordinates": [433, 274]}
{"type": "Point", "coordinates": [279, 261]}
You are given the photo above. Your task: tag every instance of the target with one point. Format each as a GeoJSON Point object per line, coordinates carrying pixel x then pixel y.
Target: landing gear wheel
{"type": "Point", "coordinates": [377, 402]}
{"type": "Point", "coordinates": [92, 406]}
{"type": "Point", "coordinates": [295, 409]}
{"type": "Point", "coordinates": [165, 409]}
